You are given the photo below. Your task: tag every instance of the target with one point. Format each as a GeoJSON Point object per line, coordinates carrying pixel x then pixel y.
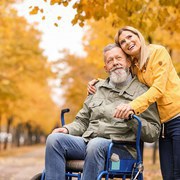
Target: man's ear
{"type": "Point", "coordinates": [128, 63]}
{"type": "Point", "coordinates": [105, 68]}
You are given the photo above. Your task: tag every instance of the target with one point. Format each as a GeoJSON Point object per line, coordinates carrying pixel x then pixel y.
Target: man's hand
{"type": "Point", "coordinates": [91, 88]}
{"type": "Point", "coordinates": [123, 111]}
{"type": "Point", "coordinates": [60, 130]}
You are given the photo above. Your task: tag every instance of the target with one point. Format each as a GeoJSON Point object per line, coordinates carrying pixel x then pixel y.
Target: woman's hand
{"type": "Point", "coordinates": [60, 130]}
{"type": "Point", "coordinates": [91, 88]}
{"type": "Point", "coordinates": [123, 111]}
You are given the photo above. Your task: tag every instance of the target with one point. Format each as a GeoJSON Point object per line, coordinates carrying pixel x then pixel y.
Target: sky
{"type": "Point", "coordinates": [54, 39]}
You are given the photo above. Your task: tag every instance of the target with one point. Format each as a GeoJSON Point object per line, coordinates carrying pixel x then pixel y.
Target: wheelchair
{"type": "Point", "coordinates": [114, 167]}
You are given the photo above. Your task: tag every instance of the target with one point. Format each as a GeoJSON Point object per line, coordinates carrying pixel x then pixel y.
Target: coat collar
{"type": "Point", "coordinates": [129, 89]}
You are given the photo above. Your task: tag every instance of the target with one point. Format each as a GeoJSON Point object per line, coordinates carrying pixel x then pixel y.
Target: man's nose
{"type": "Point", "coordinates": [116, 61]}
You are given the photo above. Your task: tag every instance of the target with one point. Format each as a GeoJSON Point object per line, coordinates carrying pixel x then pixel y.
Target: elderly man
{"type": "Point", "coordinates": [95, 126]}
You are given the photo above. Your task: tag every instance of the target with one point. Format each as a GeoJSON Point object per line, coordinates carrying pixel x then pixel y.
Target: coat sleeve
{"type": "Point", "coordinates": [150, 124]}
{"type": "Point", "coordinates": [160, 66]}
{"type": "Point", "coordinates": [81, 121]}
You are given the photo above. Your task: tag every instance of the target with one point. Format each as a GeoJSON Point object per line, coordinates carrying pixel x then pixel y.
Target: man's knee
{"type": "Point", "coordinates": [54, 139]}
{"type": "Point", "coordinates": [97, 146]}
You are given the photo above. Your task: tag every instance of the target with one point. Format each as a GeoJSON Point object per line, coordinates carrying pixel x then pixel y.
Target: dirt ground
{"type": "Point", "coordinates": [23, 163]}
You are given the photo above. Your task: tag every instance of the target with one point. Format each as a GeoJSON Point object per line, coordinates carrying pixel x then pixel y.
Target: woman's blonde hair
{"type": "Point", "coordinates": [144, 49]}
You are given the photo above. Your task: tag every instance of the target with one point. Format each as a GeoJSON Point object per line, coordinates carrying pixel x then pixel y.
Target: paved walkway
{"type": "Point", "coordinates": [28, 161]}
{"type": "Point", "coordinates": [23, 166]}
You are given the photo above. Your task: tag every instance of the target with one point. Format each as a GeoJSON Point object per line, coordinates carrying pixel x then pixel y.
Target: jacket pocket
{"type": "Point", "coordinates": [164, 101]}
{"type": "Point", "coordinates": [88, 134]}
{"type": "Point", "coordinates": [128, 97]}
{"type": "Point", "coordinates": [95, 103]}
{"type": "Point", "coordinates": [97, 110]}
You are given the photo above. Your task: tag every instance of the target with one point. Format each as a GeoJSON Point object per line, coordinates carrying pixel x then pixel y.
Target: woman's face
{"type": "Point", "coordinates": [130, 43]}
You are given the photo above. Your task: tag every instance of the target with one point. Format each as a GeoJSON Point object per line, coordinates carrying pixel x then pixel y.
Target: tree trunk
{"type": "Point", "coordinates": [29, 133]}
{"type": "Point", "coordinates": [17, 135]}
{"type": "Point", "coordinates": [9, 122]}
{"type": "Point", "coordinates": [0, 133]}
{"type": "Point", "coordinates": [154, 152]}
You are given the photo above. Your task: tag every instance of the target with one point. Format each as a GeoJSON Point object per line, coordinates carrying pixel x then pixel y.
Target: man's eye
{"type": "Point", "coordinates": [109, 61]}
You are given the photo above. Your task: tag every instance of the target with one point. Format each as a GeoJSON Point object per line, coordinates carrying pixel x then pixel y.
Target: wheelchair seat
{"type": "Point", "coordinates": [74, 165]}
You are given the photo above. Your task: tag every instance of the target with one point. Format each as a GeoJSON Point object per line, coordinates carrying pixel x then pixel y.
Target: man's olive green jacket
{"type": "Point", "coordinates": [96, 119]}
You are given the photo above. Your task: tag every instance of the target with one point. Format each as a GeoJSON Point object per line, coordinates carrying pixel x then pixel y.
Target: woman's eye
{"type": "Point", "coordinates": [122, 42]}
{"type": "Point", "coordinates": [130, 36]}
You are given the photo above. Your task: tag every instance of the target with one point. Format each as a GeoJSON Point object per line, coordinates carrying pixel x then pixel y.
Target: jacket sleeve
{"type": "Point", "coordinates": [81, 121]}
{"type": "Point", "coordinates": [160, 66]}
{"type": "Point", "coordinates": [150, 124]}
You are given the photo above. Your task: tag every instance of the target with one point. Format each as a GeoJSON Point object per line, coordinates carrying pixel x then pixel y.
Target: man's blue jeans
{"type": "Point", "coordinates": [169, 149]}
{"type": "Point", "coordinates": [60, 147]}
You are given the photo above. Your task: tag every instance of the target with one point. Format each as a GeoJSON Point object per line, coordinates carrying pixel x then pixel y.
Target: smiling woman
{"type": "Point", "coordinates": [153, 66]}
{"type": "Point", "coordinates": [130, 43]}
{"type": "Point", "coordinates": [139, 49]}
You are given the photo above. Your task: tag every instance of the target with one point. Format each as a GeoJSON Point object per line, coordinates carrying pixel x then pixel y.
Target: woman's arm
{"type": "Point", "coordinates": [161, 65]}
{"type": "Point", "coordinates": [91, 89]}
{"type": "Point", "coordinates": [150, 124]}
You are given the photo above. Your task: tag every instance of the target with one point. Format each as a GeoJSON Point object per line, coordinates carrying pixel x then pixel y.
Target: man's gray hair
{"type": "Point", "coordinates": [111, 46]}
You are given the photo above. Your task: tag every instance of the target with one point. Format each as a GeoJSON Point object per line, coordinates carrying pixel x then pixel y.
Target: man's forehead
{"type": "Point", "coordinates": [115, 50]}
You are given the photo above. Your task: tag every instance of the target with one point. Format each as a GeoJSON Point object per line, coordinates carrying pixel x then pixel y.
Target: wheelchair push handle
{"type": "Point", "coordinates": [63, 111]}
{"type": "Point", "coordinates": [138, 135]}
{"type": "Point", "coordinates": [133, 116]}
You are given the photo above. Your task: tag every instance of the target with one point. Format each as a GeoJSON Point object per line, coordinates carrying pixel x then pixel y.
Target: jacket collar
{"type": "Point", "coordinates": [129, 88]}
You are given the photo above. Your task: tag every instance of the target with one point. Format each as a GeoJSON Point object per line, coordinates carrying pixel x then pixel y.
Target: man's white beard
{"type": "Point", "coordinates": [119, 75]}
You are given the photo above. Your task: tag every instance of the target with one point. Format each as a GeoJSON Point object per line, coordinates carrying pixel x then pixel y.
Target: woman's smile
{"type": "Point", "coordinates": [130, 43]}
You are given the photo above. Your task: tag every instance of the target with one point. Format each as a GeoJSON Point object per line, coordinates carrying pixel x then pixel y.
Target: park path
{"type": "Point", "coordinates": [28, 161]}
{"type": "Point", "coordinates": [22, 166]}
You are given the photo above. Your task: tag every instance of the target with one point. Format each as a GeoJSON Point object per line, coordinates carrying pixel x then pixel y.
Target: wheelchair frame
{"type": "Point", "coordinates": [126, 168]}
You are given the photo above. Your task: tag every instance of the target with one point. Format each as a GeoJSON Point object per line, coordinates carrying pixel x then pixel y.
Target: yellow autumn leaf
{"type": "Point", "coordinates": [34, 10]}
{"type": "Point", "coordinates": [65, 3]}
{"type": "Point", "coordinates": [74, 21]}
{"type": "Point", "coordinates": [81, 24]}
{"type": "Point", "coordinates": [41, 10]}
{"type": "Point", "coordinates": [59, 17]}
{"type": "Point", "coordinates": [43, 18]}
{"type": "Point", "coordinates": [5, 82]}
{"type": "Point", "coordinates": [52, 2]}
{"type": "Point", "coordinates": [55, 24]}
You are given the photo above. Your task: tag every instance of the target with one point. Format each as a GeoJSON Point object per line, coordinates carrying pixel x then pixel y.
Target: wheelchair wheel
{"type": "Point", "coordinates": [37, 177]}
